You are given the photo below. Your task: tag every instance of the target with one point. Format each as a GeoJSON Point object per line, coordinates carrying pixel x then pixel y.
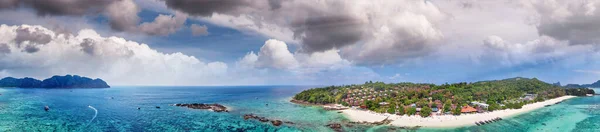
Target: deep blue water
{"type": "Point", "coordinates": [22, 110]}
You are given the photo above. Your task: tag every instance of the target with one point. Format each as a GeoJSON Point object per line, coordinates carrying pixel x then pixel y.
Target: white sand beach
{"type": "Point", "coordinates": [445, 121]}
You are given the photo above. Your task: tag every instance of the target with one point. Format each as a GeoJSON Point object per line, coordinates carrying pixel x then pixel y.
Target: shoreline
{"type": "Point", "coordinates": [445, 121]}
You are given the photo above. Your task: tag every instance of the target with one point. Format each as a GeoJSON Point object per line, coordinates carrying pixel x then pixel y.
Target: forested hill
{"type": "Point", "coordinates": [68, 81]}
{"type": "Point", "coordinates": [504, 91]}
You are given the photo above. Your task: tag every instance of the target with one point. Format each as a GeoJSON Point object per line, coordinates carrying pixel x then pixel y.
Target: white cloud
{"type": "Point", "coordinates": [164, 24]}
{"type": "Point", "coordinates": [577, 21]}
{"type": "Point", "coordinates": [123, 15]}
{"type": "Point", "coordinates": [114, 59]}
{"type": "Point", "coordinates": [396, 29]}
{"type": "Point", "coordinates": [273, 54]}
{"type": "Point", "coordinates": [275, 60]}
{"type": "Point", "coordinates": [534, 51]}
{"type": "Point", "coordinates": [199, 30]}
{"type": "Point", "coordinates": [596, 72]}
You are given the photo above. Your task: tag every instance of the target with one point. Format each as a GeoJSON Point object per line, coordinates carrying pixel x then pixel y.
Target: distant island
{"type": "Point", "coordinates": [593, 85]}
{"type": "Point", "coordinates": [457, 104]}
{"type": "Point", "coordinates": [67, 81]}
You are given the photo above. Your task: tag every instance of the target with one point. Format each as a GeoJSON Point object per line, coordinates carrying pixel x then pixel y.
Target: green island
{"type": "Point", "coordinates": [426, 99]}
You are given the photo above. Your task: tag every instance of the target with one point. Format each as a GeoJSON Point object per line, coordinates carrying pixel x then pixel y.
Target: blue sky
{"type": "Point", "coordinates": [301, 42]}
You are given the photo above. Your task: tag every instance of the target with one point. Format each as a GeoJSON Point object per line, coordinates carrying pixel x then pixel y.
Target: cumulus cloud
{"type": "Point", "coordinates": [577, 21]}
{"type": "Point", "coordinates": [114, 59]}
{"type": "Point", "coordinates": [275, 54]}
{"type": "Point", "coordinates": [278, 65]}
{"type": "Point", "coordinates": [408, 28]}
{"type": "Point", "coordinates": [198, 30]}
{"type": "Point", "coordinates": [122, 14]}
{"type": "Point", "coordinates": [164, 24]}
{"type": "Point", "coordinates": [535, 51]}
{"type": "Point", "coordinates": [32, 35]}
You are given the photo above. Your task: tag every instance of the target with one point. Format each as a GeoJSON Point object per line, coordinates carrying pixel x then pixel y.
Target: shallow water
{"type": "Point", "coordinates": [22, 110]}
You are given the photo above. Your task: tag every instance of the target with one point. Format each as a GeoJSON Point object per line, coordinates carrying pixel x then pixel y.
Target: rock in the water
{"type": "Point", "coordinates": [288, 122]}
{"type": "Point", "coordinates": [276, 122]}
{"type": "Point", "coordinates": [250, 116]}
{"type": "Point", "coordinates": [335, 126]}
{"type": "Point", "coordinates": [213, 107]}
{"type": "Point", "coordinates": [263, 119]}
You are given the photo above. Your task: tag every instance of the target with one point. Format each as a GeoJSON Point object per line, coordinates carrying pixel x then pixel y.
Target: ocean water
{"type": "Point", "coordinates": [22, 110]}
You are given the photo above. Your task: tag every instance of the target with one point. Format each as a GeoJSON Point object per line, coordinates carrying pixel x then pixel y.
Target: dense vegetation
{"type": "Point", "coordinates": [405, 97]}
{"type": "Point", "coordinates": [579, 91]}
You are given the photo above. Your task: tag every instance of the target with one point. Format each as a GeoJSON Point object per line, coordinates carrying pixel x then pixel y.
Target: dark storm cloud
{"type": "Point", "coordinates": [318, 30]}
{"type": "Point", "coordinates": [208, 7]}
{"type": "Point", "coordinates": [404, 29]}
{"type": "Point", "coordinates": [59, 7]}
{"type": "Point", "coordinates": [121, 14]}
{"type": "Point", "coordinates": [34, 36]}
{"type": "Point", "coordinates": [577, 30]}
{"type": "Point", "coordinates": [8, 3]}
{"type": "Point", "coordinates": [324, 33]}
{"type": "Point", "coordinates": [580, 25]}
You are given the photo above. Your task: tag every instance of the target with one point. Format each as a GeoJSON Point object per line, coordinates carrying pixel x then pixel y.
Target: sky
{"type": "Point", "coordinates": [301, 42]}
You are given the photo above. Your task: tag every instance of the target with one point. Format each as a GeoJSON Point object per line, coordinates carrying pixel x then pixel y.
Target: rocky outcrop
{"type": "Point", "coordinates": [213, 107]}
{"type": "Point", "coordinates": [276, 122]}
{"type": "Point", "coordinates": [68, 81]}
{"type": "Point", "coordinates": [263, 119]}
{"type": "Point", "coordinates": [335, 126]}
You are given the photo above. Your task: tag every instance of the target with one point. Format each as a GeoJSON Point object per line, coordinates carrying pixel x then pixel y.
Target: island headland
{"type": "Point", "coordinates": [67, 81]}
{"type": "Point", "coordinates": [448, 105]}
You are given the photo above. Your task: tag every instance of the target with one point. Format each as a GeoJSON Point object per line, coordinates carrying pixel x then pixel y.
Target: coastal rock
{"type": "Point", "coordinates": [335, 126]}
{"type": "Point", "coordinates": [288, 122]}
{"type": "Point", "coordinates": [213, 107]}
{"type": "Point", "coordinates": [250, 116]}
{"type": "Point", "coordinates": [276, 122]}
{"type": "Point", "coordinates": [264, 119]}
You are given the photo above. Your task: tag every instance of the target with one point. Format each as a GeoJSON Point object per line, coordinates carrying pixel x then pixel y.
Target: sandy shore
{"type": "Point", "coordinates": [444, 121]}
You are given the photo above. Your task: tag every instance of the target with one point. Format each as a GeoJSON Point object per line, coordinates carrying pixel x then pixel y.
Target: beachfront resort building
{"type": "Point", "coordinates": [479, 104]}
{"type": "Point", "coordinates": [528, 97]}
{"type": "Point", "coordinates": [468, 109]}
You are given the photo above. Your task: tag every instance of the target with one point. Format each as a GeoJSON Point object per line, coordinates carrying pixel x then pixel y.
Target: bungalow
{"type": "Point", "coordinates": [528, 97]}
{"type": "Point", "coordinates": [468, 109]}
{"type": "Point", "coordinates": [383, 103]}
{"type": "Point", "coordinates": [480, 109]}
{"type": "Point", "coordinates": [484, 105]}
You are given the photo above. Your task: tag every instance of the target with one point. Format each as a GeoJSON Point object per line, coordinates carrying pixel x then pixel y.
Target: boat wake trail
{"type": "Point", "coordinates": [95, 114]}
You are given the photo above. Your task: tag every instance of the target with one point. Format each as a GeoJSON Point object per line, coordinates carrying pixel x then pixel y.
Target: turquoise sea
{"type": "Point", "coordinates": [23, 110]}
